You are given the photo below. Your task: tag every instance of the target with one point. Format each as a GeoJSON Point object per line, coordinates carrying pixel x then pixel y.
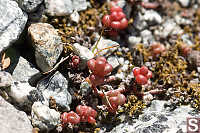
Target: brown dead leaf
{"type": "Point", "coordinates": [5, 61]}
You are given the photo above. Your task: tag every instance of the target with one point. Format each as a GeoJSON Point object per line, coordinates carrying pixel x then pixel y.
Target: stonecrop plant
{"type": "Point", "coordinates": [84, 114]}
{"type": "Point", "coordinates": [115, 99]}
{"type": "Point", "coordinates": [100, 68]}
{"type": "Point", "coordinates": [142, 75]}
{"type": "Point", "coordinates": [116, 20]}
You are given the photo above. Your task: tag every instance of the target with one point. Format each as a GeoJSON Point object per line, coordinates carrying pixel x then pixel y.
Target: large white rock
{"type": "Point", "coordinates": [13, 120]}
{"type": "Point", "coordinates": [47, 45]}
{"type": "Point", "coordinates": [43, 117]}
{"type": "Point", "coordinates": [19, 91]}
{"type": "Point", "coordinates": [12, 23]}
{"type": "Point", "coordinates": [64, 7]}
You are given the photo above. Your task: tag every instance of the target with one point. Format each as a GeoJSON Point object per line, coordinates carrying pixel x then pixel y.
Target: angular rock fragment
{"type": "Point", "coordinates": [29, 5]}
{"type": "Point", "coordinates": [13, 120]}
{"type": "Point", "coordinates": [79, 5]}
{"type": "Point", "coordinates": [152, 17]}
{"type": "Point", "coordinates": [168, 28]}
{"type": "Point", "coordinates": [43, 117]}
{"type": "Point", "coordinates": [84, 53]}
{"type": "Point", "coordinates": [12, 23]}
{"type": "Point", "coordinates": [47, 44]}
{"type": "Point", "coordinates": [113, 61]}
{"type": "Point", "coordinates": [5, 79]}
{"type": "Point", "coordinates": [105, 43]}
{"type": "Point", "coordinates": [64, 7]}
{"type": "Point", "coordinates": [56, 87]}
{"type": "Point", "coordinates": [158, 119]}
{"type": "Point", "coordinates": [20, 68]}
{"type": "Point", "coordinates": [19, 91]}
{"type": "Point", "coordinates": [58, 7]}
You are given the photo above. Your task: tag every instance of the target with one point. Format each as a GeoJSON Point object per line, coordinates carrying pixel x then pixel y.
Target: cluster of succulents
{"type": "Point", "coordinates": [165, 69]}
{"type": "Point", "coordinates": [100, 68]}
{"type": "Point", "coordinates": [84, 114]}
{"type": "Point", "coordinates": [116, 20]}
{"type": "Point", "coordinates": [115, 99]}
{"type": "Point", "coordinates": [142, 75]}
{"type": "Point", "coordinates": [70, 117]}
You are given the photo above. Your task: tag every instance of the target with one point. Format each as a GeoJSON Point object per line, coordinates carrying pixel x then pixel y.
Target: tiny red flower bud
{"type": "Point", "coordinates": [102, 58]}
{"type": "Point", "coordinates": [106, 20]}
{"type": "Point", "coordinates": [114, 16]}
{"type": "Point", "coordinates": [91, 64]}
{"type": "Point", "coordinates": [141, 79]}
{"type": "Point", "coordinates": [64, 117]}
{"type": "Point", "coordinates": [121, 15]}
{"type": "Point", "coordinates": [116, 25]}
{"type": "Point", "coordinates": [136, 71]}
{"type": "Point", "coordinates": [123, 23]}
{"type": "Point", "coordinates": [144, 70]}
{"type": "Point", "coordinates": [108, 68]}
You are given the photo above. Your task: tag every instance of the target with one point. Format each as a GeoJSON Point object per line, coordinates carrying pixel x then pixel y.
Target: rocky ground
{"type": "Point", "coordinates": [45, 46]}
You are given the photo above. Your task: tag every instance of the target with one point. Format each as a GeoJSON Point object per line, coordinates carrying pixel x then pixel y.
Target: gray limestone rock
{"type": "Point", "coordinates": [29, 5]}
{"type": "Point", "coordinates": [56, 86]}
{"type": "Point", "coordinates": [169, 27]}
{"type": "Point", "coordinates": [12, 23]}
{"type": "Point", "coordinates": [113, 61]}
{"type": "Point", "coordinates": [75, 17]}
{"type": "Point", "coordinates": [47, 44]}
{"type": "Point", "coordinates": [20, 68]}
{"type": "Point", "coordinates": [79, 5]}
{"type": "Point", "coordinates": [43, 117]}
{"type": "Point", "coordinates": [133, 40]}
{"type": "Point", "coordinates": [24, 71]}
{"type": "Point", "coordinates": [13, 120]}
{"type": "Point", "coordinates": [158, 119]}
{"type": "Point", "coordinates": [182, 21]}
{"type": "Point", "coordinates": [139, 22]}
{"type": "Point", "coordinates": [105, 43]}
{"type": "Point", "coordinates": [64, 7]}
{"type": "Point", "coordinates": [58, 7]}
{"type": "Point", "coordinates": [147, 37]}
{"type": "Point", "coordinates": [19, 91]}
{"type": "Point", "coordinates": [152, 17]}
{"type": "Point", "coordinates": [84, 53]}
{"type": "Point", "coordinates": [194, 59]}
{"type": "Point", "coordinates": [187, 39]}
{"type": "Point", "coordinates": [5, 79]}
